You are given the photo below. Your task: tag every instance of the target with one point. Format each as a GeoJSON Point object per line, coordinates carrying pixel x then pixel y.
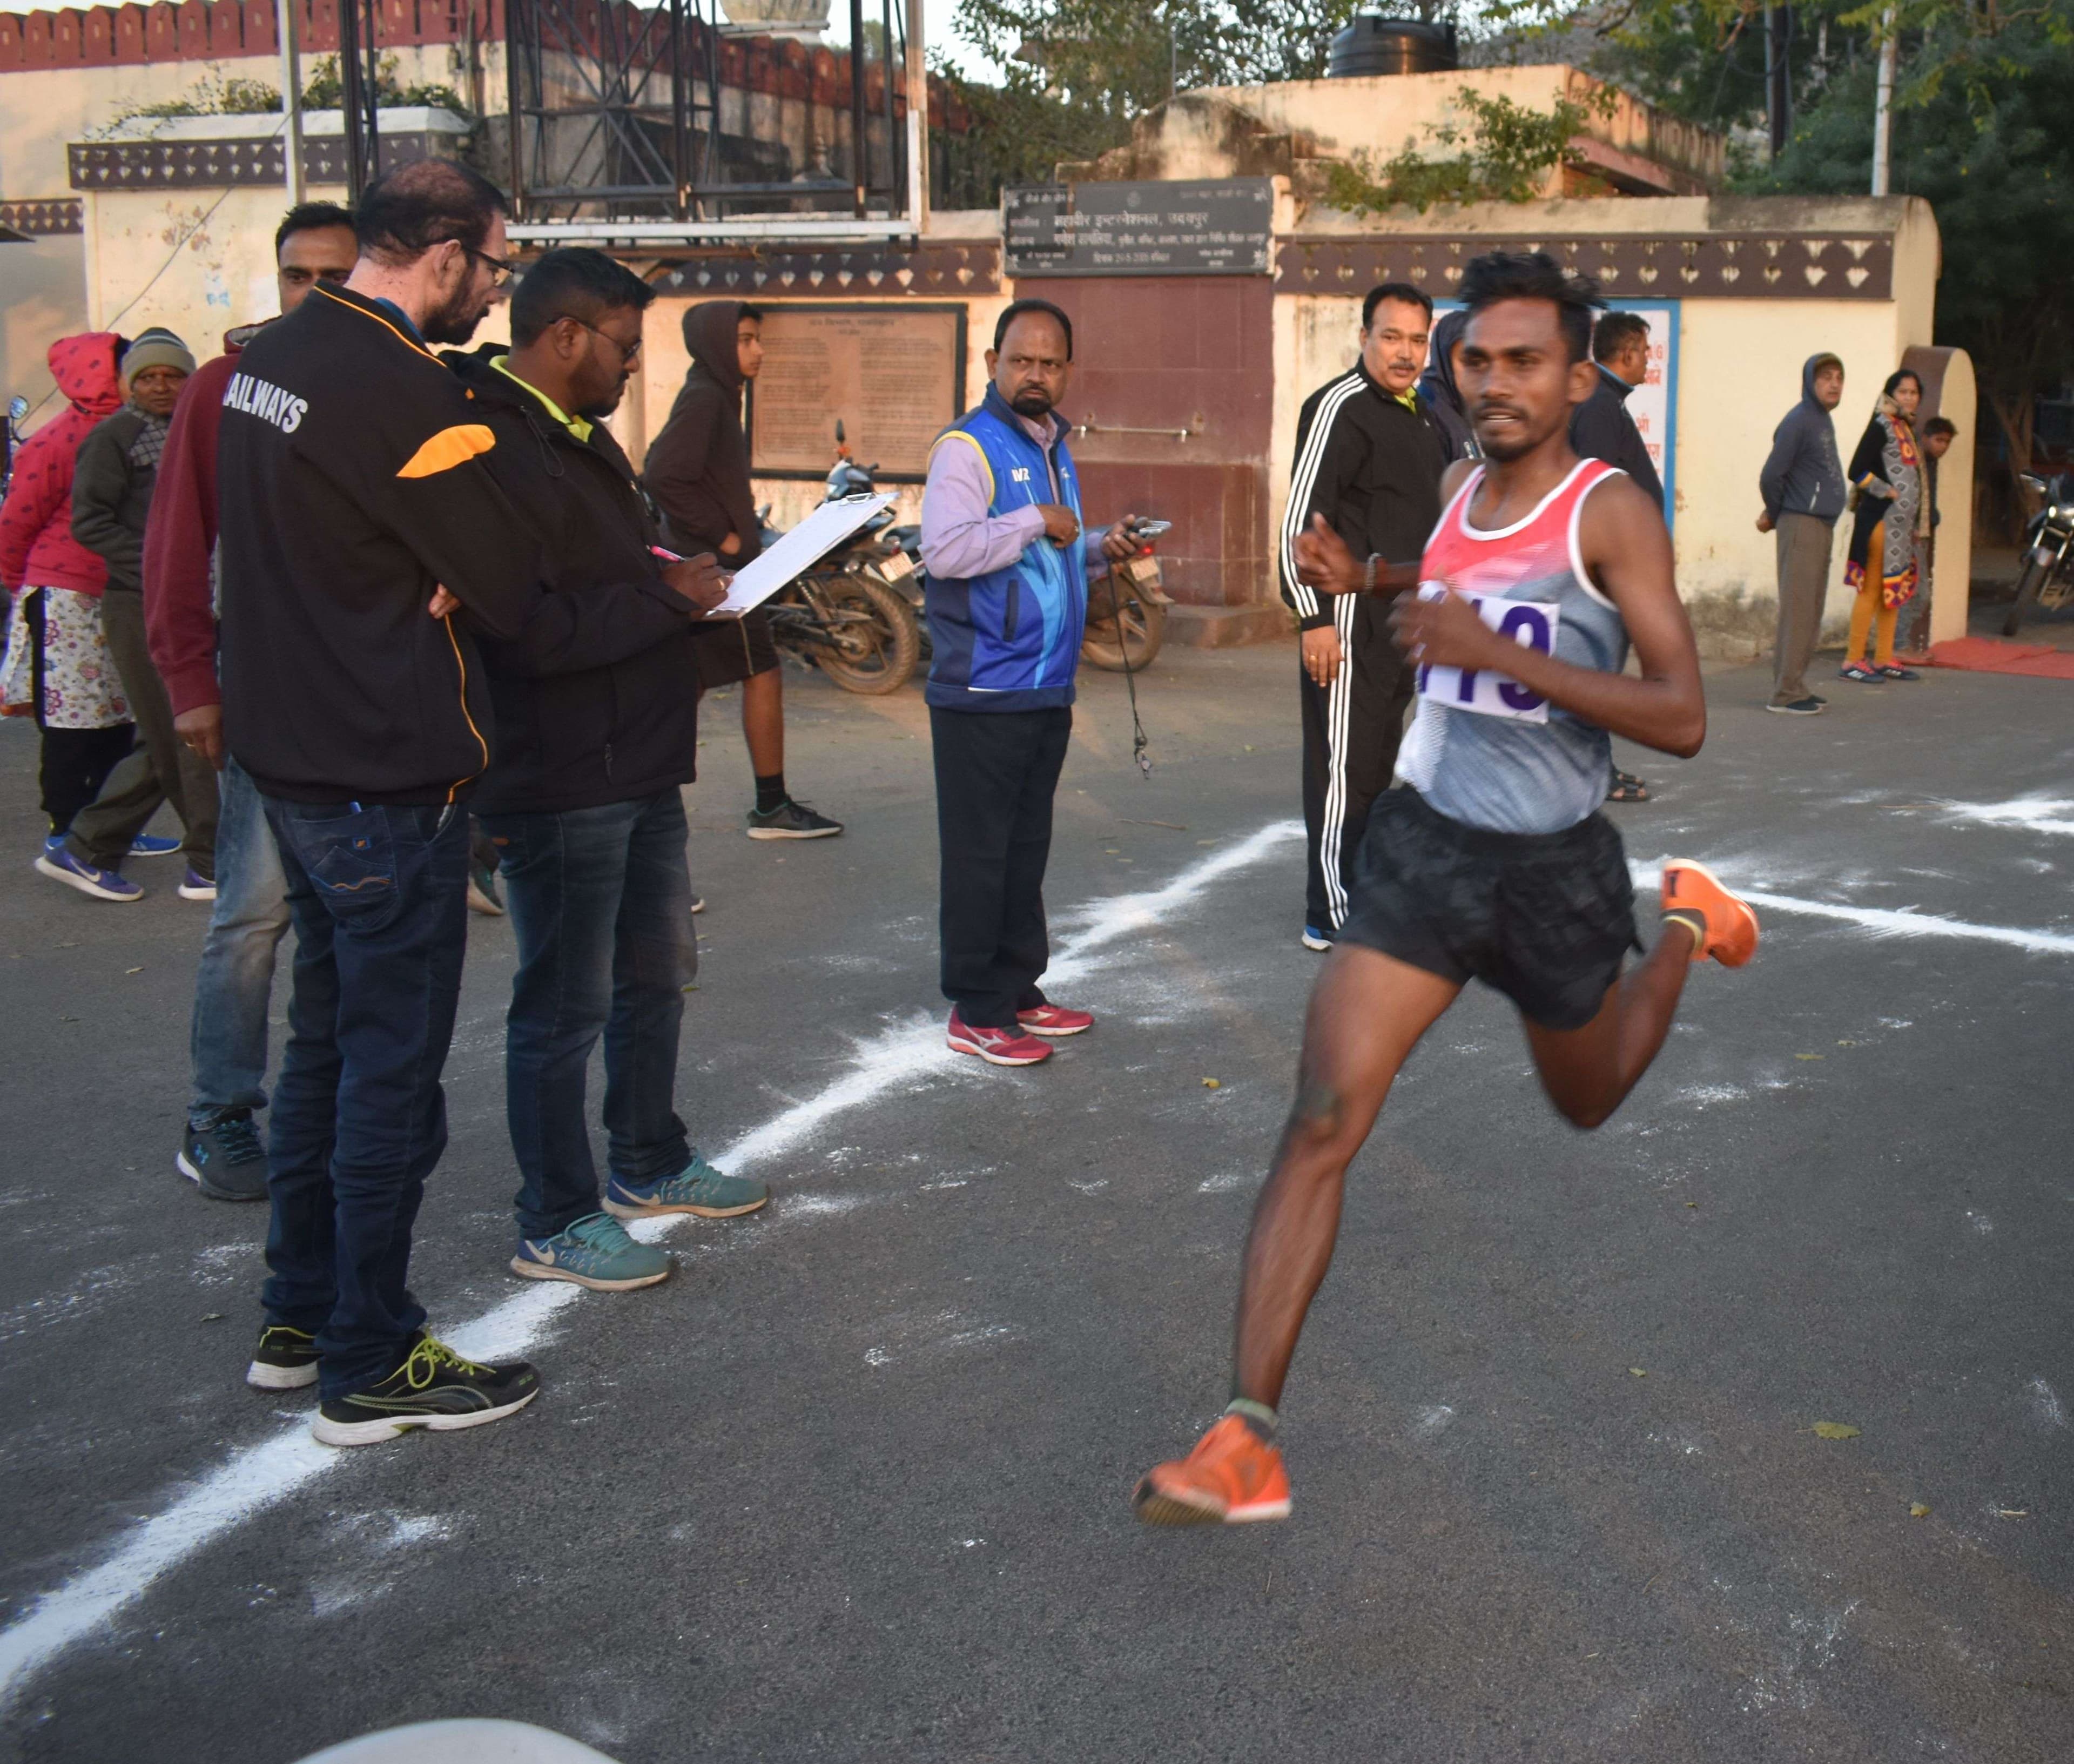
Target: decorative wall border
{"type": "Point", "coordinates": [957, 267]}
{"type": "Point", "coordinates": [204, 165]}
{"type": "Point", "coordinates": [1718, 266]}
{"type": "Point", "coordinates": [45, 217]}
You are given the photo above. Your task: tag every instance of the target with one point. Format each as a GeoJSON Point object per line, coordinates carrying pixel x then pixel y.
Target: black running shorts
{"type": "Point", "coordinates": [1547, 918]}
{"type": "Point", "coordinates": [732, 650]}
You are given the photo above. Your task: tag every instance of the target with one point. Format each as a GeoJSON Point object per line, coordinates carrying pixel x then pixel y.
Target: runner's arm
{"type": "Point", "coordinates": [1326, 563]}
{"type": "Point", "coordinates": [1629, 561]}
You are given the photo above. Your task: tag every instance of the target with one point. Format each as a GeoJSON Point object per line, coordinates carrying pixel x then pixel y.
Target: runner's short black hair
{"type": "Point", "coordinates": [1615, 332]}
{"type": "Point", "coordinates": [1016, 309]}
{"type": "Point", "coordinates": [1534, 276]}
{"type": "Point", "coordinates": [746, 311]}
{"type": "Point", "coordinates": [418, 206]}
{"type": "Point", "coordinates": [308, 217]}
{"type": "Point", "coordinates": [1403, 292]}
{"type": "Point", "coordinates": [573, 283]}
{"type": "Point", "coordinates": [1940, 425]}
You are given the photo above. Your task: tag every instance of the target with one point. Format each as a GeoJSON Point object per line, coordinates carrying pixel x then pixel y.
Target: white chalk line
{"type": "Point", "coordinates": [1888, 921]}
{"type": "Point", "coordinates": [259, 1477]}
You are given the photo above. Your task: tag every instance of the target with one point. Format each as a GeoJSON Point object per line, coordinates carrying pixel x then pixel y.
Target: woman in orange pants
{"type": "Point", "coordinates": [1886, 480]}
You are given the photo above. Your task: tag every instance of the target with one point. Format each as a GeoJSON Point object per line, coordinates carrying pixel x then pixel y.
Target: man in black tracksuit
{"type": "Point", "coordinates": [365, 542]}
{"type": "Point", "coordinates": [597, 704]}
{"type": "Point", "coordinates": [1369, 461]}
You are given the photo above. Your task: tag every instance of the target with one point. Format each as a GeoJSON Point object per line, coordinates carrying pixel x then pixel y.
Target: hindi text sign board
{"type": "Point", "coordinates": [1224, 227]}
{"type": "Point", "coordinates": [894, 374]}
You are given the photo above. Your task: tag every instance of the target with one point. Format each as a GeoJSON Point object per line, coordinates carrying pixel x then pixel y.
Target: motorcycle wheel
{"type": "Point", "coordinates": [876, 645]}
{"type": "Point", "coordinates": [2027, 585]}
{"type": "Point", "coordinates": [1120, 627]}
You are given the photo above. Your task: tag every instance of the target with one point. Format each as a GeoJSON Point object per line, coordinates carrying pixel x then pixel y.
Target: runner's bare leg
{"type": "Point", "coordinates": [1366, 1015]}
{"type": "Point", "coordinates": [1588, 1072]}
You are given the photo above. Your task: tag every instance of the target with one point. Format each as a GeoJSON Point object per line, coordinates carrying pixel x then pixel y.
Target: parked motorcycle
{"type": "Point", "coordinates": [850, 615]}
{"type": "Point", "coordinates": [2045, 580]}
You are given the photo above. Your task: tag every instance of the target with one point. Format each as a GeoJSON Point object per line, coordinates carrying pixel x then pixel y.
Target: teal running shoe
{"type": "Point", "coordinates": [698, 1187]}
{"type": "Point", "coordinates": [595, 1252]}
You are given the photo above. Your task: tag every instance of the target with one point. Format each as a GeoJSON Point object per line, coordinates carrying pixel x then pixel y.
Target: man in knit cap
{"type": "Point", "coordinates": [111, 499]}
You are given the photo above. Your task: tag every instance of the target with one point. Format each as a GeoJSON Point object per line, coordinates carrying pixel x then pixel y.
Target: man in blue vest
{"type": "Point", "coordinates": [1007, 599]}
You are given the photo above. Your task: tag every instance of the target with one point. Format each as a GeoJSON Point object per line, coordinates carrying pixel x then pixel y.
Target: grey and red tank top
{"type": "Point", "coordinates": [1483, 749]}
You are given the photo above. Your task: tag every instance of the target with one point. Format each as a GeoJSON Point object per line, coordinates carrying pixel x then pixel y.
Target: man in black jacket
{"type": "Point", "coordinates": [357, 509]}
{"type": "Point", "coordinates": [697, 470]}
{"type": "Point", "coordinates": [1369, 461]}
{"type": "Point", "coordinates": [597, 702]}
{"type": "Point", "coordinates": [1602, 428]}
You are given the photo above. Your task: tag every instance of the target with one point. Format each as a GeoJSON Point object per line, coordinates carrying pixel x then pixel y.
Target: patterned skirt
{"type": "Point", "coordinates": [64, 653]}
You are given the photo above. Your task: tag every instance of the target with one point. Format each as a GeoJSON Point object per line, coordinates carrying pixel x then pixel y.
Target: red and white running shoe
{"type": "Point", "coordinates": [996, 1046]}
{"type": "Point", "coordinates": [1055, 1020]}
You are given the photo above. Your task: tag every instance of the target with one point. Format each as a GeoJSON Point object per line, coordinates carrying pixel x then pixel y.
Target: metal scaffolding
{"type": "Point", "coordinates": [615, 116]}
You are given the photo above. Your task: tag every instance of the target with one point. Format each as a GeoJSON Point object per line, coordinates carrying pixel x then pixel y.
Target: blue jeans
{"type": "Point", "coordinates": [234, 985]}
{"type": "Point", "coordinates": [379, 900]}
{"type": "Point", "coordinates": [600, 902]}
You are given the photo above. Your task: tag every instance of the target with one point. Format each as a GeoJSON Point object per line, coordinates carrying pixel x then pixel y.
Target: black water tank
{"type": "Point", "coordinates": [1372, 44]}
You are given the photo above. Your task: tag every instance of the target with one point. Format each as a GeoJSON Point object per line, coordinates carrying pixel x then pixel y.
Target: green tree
{"type": "Point", "coordinates": [1983, 136]}
{"type": "Point", "coordinates": [1508, 152]}
{"type": "Point", "coordinates": [1081, 72]}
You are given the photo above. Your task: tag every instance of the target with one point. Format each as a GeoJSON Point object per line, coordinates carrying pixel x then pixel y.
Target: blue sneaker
{"type": "Point", "coordinates": [595, 1252]}
{"type": "Point", "coordinates": [153, 845]}
{"type": "Point", "coordinates": [698, 1187]}
{"type": "Point", "coordinates": [59, 864]}
{"type": "Point", "coordinates": [197, 887]}
{"type": "Point", "coordinates": [1316, 939]}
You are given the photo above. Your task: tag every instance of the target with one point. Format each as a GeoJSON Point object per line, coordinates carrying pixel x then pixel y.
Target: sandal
{"type": "Point", "coordinates": [1627, 788]}
{"type": "Point", "coordinates": [1863, 673]}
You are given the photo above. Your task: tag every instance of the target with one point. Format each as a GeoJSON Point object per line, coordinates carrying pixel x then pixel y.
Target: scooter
{"type": "Point", "coordinates": [2045, 580]}
{"type": "Point", "coordinates": [850, 614]}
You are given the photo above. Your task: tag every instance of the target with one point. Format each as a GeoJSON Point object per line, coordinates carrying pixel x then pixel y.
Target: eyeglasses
{"type": "Point", "coordinates": [501, 269]}
{"type": "Point", "coordinates": [629, 352]}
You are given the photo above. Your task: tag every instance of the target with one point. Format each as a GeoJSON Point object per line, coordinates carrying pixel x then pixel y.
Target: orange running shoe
{"type": "Point", "coordinates": [1731, 938]}
{"type": "Point", "coordinates": [1229, 1479]}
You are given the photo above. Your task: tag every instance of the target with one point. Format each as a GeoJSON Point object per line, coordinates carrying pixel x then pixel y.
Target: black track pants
{"type": "Point", "coordinates": [1351, 730]}
{"type": "Point", "coordinates": [996, 773]}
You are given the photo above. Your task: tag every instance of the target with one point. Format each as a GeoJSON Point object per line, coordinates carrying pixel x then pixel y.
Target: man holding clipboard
{"type": "Point", "coordinates": [597, 733]}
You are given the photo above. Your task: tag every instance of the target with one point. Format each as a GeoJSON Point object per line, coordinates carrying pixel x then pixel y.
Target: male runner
{"type": "Point", "coordinates": [1494, 865]}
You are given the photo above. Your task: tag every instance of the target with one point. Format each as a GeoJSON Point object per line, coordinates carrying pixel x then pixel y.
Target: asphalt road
{"type": "Point", "coordinates": [854, 1485]}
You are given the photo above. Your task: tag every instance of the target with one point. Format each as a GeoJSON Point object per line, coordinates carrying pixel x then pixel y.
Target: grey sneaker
{"type": "Point", "coordinates": [791, 821]}
{"type": "Point", "coordinates": [698, 1187]}
{"type": "Point", "coordinates": [223, 1157]}
{"type": "Point", "coordinates": [595, 1252]}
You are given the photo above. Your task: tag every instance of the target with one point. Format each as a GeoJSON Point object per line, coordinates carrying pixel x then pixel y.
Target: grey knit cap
{"type": "Point", "coordinates": [157, 347]}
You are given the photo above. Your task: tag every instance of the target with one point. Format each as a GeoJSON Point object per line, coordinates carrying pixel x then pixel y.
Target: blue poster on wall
{"type": "Point", "coordinates": [1652, 404]}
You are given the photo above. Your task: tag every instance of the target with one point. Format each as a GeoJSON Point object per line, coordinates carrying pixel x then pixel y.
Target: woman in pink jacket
{"type": "Point", "coordinates": [57, 666]}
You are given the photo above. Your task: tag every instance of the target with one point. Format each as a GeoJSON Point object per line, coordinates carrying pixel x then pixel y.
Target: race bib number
{"type": "Point", "coordinates": [1529, 624]}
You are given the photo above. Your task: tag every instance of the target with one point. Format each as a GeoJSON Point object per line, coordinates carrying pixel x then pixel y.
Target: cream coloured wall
{"type": "Point", "coordinates": [1739, 373]}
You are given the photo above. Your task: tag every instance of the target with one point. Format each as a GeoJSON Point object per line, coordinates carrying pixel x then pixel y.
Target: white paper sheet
{"type": "Point", "coordinates": [797, 552]}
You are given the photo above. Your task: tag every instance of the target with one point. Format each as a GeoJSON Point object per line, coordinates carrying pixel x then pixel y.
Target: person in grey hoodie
{"type": "Point", "coordinates": [1804, 491]}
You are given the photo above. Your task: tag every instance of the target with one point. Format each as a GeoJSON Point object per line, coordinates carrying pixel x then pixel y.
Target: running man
{"type": "Point", "coordinates": [1495, 864]}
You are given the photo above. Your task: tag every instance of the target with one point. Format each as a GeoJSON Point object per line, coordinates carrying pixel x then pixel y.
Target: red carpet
{"type": "Point", "coordinates": [1993, 655]}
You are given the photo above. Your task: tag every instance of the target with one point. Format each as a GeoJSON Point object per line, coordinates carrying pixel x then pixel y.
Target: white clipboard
{"type": "Point", "coordinates": [796, 553]}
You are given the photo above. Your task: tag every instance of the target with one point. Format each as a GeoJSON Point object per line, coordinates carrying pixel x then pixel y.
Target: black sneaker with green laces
{"type": "Point", "coordinates": [285, 1360]}
{"type": "Point", "coordinates": [435, 1388]}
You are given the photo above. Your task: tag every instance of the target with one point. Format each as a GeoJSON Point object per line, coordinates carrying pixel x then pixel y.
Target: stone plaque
{"type": "Point", "coordinates": [1223, 227]}
{"type": "Point", "coordinates": [894, 374]}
